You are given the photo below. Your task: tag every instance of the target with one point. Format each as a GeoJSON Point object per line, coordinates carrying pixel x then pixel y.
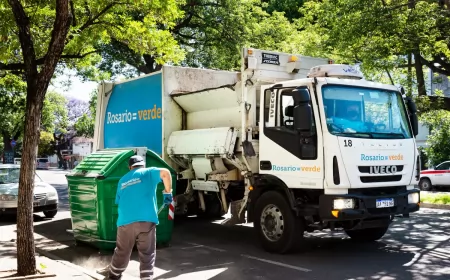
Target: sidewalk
{"type": "Point", "coordinates": [47, 268]}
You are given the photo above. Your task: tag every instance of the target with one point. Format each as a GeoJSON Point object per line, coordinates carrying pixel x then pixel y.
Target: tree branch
{"type": "Point", "coordinates": [40, 61]}
{"type": "Point", "coordinates": [56, 46]}
{"type": "Point", "coordinates": [93, 19]}
{"type": "Point", "coordinates": [433, 67]}
{"type": "Point", "coordinates": [184, 23]}
{"type": "Point", "coordinates": [72, 8]}
{"type": "Point", "coordinates": [26, 43]}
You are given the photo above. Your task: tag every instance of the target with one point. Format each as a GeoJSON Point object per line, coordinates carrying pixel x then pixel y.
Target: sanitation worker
{"type": "Point", "coordinates": [136, 224]}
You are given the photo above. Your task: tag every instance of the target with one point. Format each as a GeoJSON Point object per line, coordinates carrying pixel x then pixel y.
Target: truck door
{"type": "Point", "coordinates": [294, 157]}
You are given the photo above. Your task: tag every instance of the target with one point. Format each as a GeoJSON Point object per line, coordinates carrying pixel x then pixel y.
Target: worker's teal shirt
{"type": "Point", "coordinates": [136, 196]}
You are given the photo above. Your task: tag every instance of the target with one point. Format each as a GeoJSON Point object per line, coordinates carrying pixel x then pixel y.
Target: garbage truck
{"type": "Point", "coordinates": [290, 143]}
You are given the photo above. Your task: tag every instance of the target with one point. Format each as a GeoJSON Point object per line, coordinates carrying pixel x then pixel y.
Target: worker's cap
{"type": "Point", "coordinates": [136, 161]}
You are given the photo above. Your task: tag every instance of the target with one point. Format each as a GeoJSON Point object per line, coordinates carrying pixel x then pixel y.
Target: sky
{"type": "Point", "coordinates": [76, 88]}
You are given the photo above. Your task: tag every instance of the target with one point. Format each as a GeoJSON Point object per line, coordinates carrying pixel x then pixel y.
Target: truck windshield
{"type": "Point", "coordinates": [365, 112]}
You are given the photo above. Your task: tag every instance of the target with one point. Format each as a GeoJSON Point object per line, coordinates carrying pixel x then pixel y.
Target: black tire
{"type": "Point", "coordinates": [367, 234]}
{"type": "Point", "coordinates": [50, 214]}
{"type": "Point", "coordinates": [425, 184]}
{"type": "Point", "coordinates": [291, 237]}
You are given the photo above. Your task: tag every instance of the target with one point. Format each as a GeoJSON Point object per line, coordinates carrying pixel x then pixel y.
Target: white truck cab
{"type": "Point", "coordinates": [290, 143]}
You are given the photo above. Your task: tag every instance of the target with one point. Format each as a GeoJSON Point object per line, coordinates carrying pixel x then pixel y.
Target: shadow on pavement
{"type": "Point", "coordinates": [8, 249]}
{"type": "Point", "coordinates": [56, 230]}
{"type": "Point", "coordinates": [6, 220]}
{"type": "Point", "coordinates": [63, 194]}
{"type": "Point", "coordinates": [416, 248]}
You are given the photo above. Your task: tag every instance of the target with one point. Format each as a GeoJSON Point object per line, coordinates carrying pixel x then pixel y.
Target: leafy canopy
{"type": "Point", "coordinates": [143, 25]}
{"type": "Point", "coordinates": [380, 33]}
{"type": "Point", "coordinates": [211, 34]}
{"type": "Point", "coordinates": [55, 113]}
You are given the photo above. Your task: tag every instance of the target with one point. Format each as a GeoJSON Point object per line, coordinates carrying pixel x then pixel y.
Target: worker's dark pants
{"type": "Point", "coordinates": [144, 235]}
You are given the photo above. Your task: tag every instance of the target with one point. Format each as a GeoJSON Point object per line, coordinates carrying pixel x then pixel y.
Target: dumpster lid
{"type": "Point", "coordinates": [101, 163]}
{"type": "Point", "coordinates": [161, 162]}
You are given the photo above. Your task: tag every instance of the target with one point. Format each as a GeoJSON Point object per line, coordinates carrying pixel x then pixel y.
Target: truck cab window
{"type": "Point", "coordinates": [279, 125]}
{"type": "Point", "coordinates": [287, 111]}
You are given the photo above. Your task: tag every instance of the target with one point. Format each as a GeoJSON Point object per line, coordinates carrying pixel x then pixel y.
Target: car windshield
{"type": "Point", "coordinates": [365, 112]}
{"type": "Point", "coordinates": [11, 175]}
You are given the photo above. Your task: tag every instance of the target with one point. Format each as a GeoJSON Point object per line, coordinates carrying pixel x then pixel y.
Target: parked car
{"type": "Point", "coordinates": [438, 176]}
{"type": "Point", "coordinates": [45, 197]}
{"type": "Point", "coordinates": [42, 163]}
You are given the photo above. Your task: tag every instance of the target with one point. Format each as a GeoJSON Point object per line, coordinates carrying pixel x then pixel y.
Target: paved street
{"type": "Point", "coordinates": [416, 248]}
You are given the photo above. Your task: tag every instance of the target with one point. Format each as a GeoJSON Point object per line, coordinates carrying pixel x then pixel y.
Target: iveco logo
{"type": "Point", "coordinates": [390, 169]}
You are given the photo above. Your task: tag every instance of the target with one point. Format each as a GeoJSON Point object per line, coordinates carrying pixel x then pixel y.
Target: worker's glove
{"type": "Point", "coordinates": [168, 198]}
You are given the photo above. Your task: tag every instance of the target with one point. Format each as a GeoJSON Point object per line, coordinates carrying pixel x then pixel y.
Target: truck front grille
{"type": "Point", "coordinates": [366, 169]}
{"type": "Point", "coordinates": [383, 211]}
{"type": "Point", "coordinates": [380, 179]}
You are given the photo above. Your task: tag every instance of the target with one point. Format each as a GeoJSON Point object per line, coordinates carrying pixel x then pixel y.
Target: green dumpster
{"type": "Point", "coordinates": [92, 191]}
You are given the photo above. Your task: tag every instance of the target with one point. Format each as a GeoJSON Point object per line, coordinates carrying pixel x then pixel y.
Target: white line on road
{"type": "Point", "coordinates": [191, 247]}
{"type": "Point", "coordinates": [208, 247]}
{"type": "Point", "coordinates": [278, 263]}
{"type": "Point", "coordinates": [214, 265]}
{"type": "Point", "coordinates": [414, 259]}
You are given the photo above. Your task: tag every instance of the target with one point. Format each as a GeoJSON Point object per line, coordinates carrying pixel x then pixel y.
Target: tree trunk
{"type": "Point", "coordinates": [25, 234]}
{"type": "Point", "coordinates": [37, 84]}
{"type": "Point", "coordinates": [419, 75]}
{"type": "Point", "coordinates": [409, 76]}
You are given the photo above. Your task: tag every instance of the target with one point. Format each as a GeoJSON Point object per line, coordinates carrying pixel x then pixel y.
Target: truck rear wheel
{"type": "Point", "coordinates": [278, 229]}
{"type": "Point", "coordinates": [367, 234]}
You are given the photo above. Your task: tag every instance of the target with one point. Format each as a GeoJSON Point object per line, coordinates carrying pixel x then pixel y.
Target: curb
{"type": "Point", "coordinates": [30, 277]}
{"type": "Point", "coordinates": [89, 273]}
{"type": "Point", "coordinates": [435, 206]}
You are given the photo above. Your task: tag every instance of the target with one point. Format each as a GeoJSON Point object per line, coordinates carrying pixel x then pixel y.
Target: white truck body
{"type": "Point", "coordinates": [270, 143]}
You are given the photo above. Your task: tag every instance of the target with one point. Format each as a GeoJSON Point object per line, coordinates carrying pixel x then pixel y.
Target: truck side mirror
{"type": "Point", "coordinates": [412, 108]}
{"type": "Point", "coordinates": [302, 95]}
{"type": "Point", "coordinates": [411, 105]}
{"type": "Point", "coordinates": [303, 117]}
{"type": "Point", "coordinates": [414, 123]}
{"type": "Point", "coordinates": [303, 111]}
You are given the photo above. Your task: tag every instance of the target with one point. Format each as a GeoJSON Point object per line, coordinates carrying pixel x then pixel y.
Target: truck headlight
{"type": "Point", "coordinates": [413, 198]}
{"type": "Point", "coordinates": [343, 203]}
{"type": "Point", "coordinates": [7, 197]}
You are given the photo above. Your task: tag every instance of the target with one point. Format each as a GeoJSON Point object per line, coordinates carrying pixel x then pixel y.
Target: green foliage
{"type": "Point", "coordinates": [212, 35]}
{"type": "Point", "coordinates": [438, 148]}
{"type": "Point", "coordinates": [378, 33]}
{"type": "Point", "coordinates": [46, 148]}
{"type": "Point", "coordinates": [85, 125]}
{"type": "Point", "coordinates": [12, 105]}
{"type": "Point", "coordinates": [290, 8]}
{"type": "Point", "coordinates": [435, 198]}
{"type": "Point", "coordinates": [54, 113]}
{"type": "Point", "coordinates": [143, 25]}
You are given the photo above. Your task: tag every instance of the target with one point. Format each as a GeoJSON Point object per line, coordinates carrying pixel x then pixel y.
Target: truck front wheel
{"type": "Point", "coordinates": [278, 229]}
{"type": "Point", "coordinates": [367, 234]}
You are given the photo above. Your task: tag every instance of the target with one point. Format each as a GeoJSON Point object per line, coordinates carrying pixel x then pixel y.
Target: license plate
{"type": "Point", "coordinates": [385, 203]}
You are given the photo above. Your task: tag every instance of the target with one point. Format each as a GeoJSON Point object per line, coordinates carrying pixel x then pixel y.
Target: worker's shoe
{"type": "Point", "coordinates": [103, 271]}
{"type": "Point", "coordinates": [106, 272]}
